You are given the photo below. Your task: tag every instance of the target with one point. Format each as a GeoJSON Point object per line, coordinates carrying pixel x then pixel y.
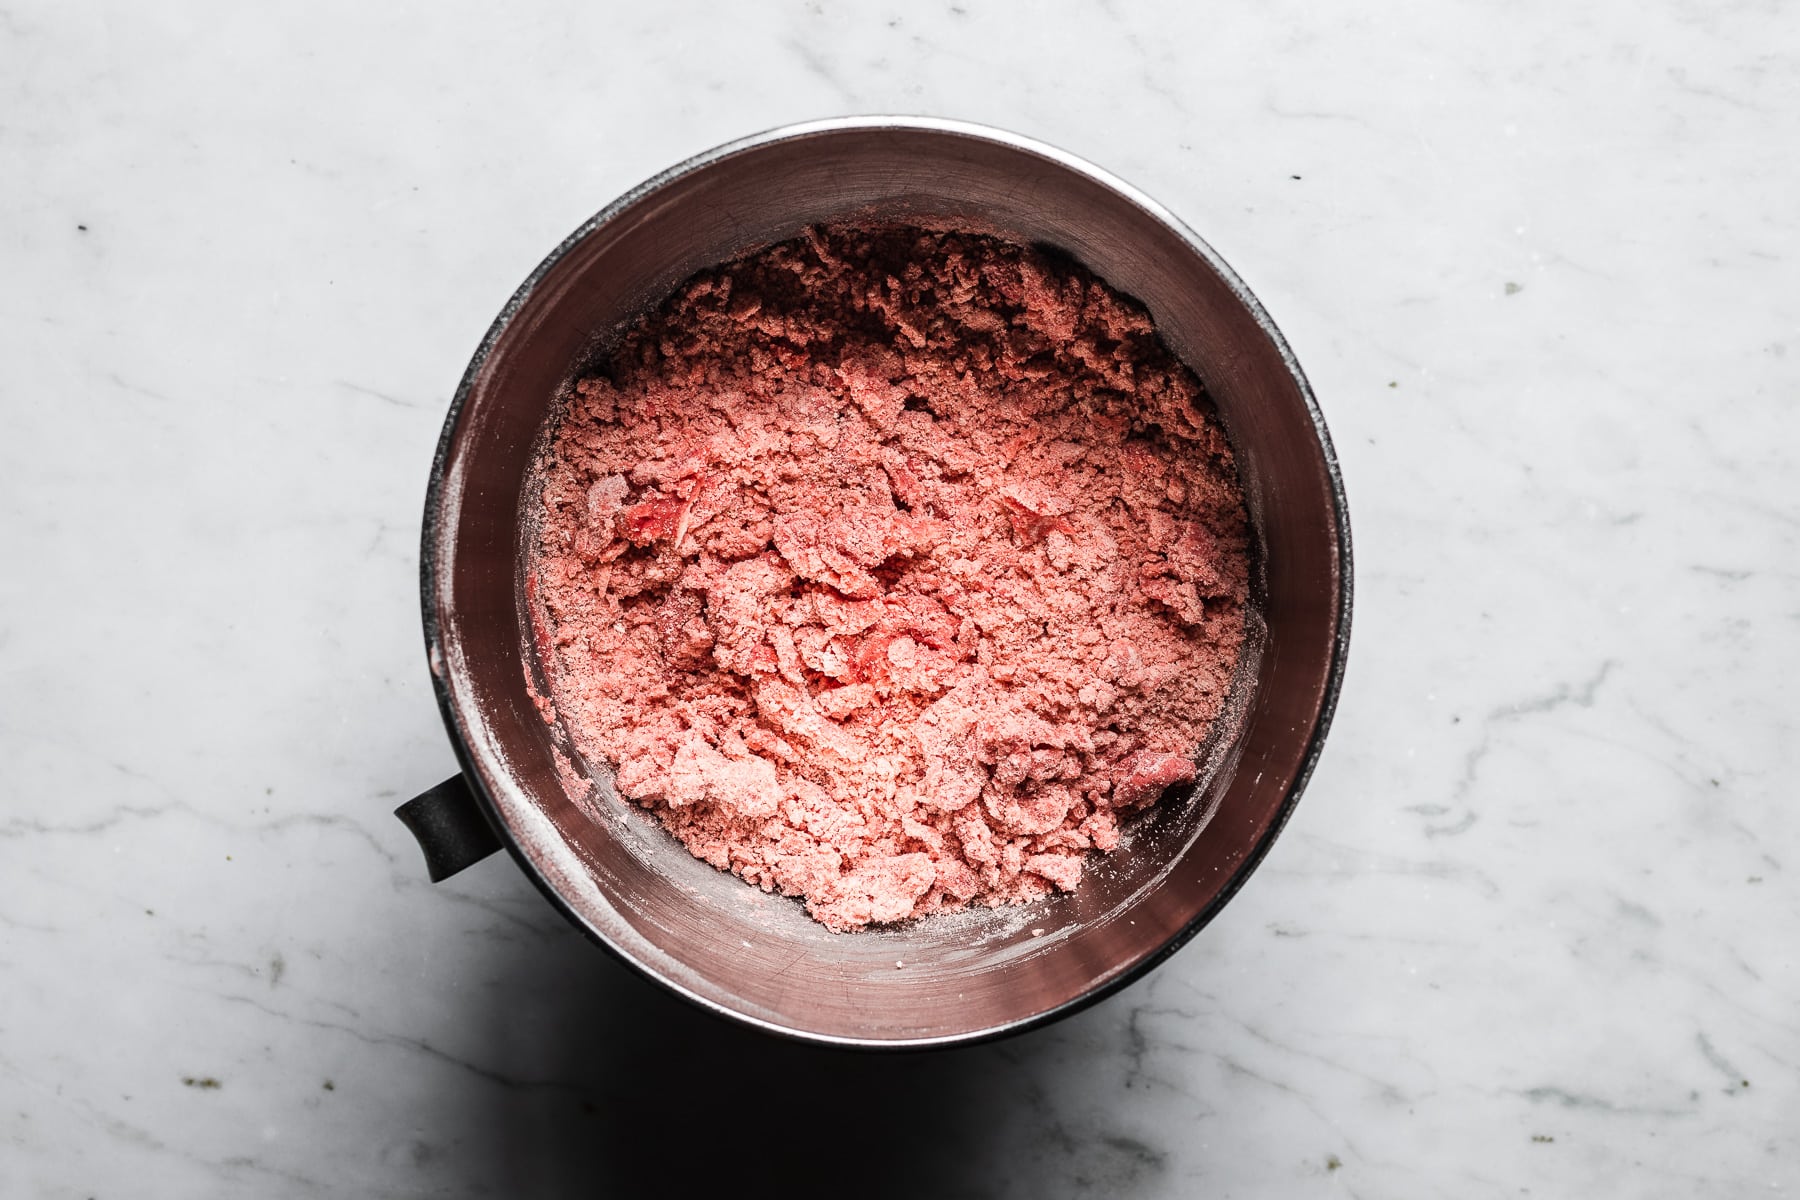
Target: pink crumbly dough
{"type": "Point", "coordinates": [890, 568]}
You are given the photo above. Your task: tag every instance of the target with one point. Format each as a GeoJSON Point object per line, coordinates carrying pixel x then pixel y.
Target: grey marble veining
{"type": "Point", "coordinates": [1532, 931]}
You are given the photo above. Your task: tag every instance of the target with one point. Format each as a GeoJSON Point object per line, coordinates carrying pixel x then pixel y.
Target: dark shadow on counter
{"type": "Point", "coordinates": [613, 1087]}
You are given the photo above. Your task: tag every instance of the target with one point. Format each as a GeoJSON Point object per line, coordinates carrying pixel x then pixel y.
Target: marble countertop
{"type": "Point", "coordinates": [1533, 929]}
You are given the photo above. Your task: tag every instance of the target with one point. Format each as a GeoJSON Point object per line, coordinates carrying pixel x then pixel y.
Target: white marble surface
{"type": "Point", "coordinates": [1533, 929]}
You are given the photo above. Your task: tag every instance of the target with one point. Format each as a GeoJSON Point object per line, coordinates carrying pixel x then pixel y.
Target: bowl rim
{"type": "Point", "coordinates": [461, 739]}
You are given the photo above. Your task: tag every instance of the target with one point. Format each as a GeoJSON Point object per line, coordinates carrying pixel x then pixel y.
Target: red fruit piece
{"type": "Point", "coordinates": [1029, 507]}
{"type": "Point", "coordinates": [1142, 778]}
{"type": "Point", "coordinates": [651, 521]}
{"type": "Point", "coordinates": [871, 658]}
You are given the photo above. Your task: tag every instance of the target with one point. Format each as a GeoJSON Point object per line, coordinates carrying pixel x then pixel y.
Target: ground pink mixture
{"type": "Point", "coordinates": [891, 568]}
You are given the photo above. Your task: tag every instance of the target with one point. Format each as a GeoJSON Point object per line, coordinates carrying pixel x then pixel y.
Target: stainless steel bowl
{"type": "Point", "coordinates": [708, 936]}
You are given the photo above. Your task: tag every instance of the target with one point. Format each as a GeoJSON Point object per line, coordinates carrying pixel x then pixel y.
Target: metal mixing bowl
{"type": "Point", "coordinates": [706, 935]}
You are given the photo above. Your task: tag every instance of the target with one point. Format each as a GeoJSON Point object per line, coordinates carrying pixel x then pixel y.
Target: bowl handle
{"type": "Point", "coordinates": [452, 830]}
